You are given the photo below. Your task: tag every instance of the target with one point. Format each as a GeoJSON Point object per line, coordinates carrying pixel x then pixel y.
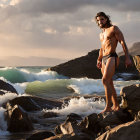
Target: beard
{"type": "Point", "coordinates": [102, 25]}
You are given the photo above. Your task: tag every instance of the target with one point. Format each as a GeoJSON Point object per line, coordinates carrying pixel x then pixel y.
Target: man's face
{"type": "Point", "coordinates": [101, 21]}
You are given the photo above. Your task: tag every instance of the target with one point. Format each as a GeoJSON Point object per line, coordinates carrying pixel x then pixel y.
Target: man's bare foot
{"type": "Point", "coordinates": [106, 110]}
{"type": "Point", "coordinates": [115, 108]}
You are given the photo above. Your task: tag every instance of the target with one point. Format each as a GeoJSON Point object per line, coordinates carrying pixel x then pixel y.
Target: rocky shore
{"type": "Point", "coordinates": [110, 125]}
{"type": "Point", "coordinates": [85, 66]}
{"type": "Point", "coordinates": [24, 113]}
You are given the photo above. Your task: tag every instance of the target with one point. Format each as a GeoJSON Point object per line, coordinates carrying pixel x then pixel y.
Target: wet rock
{"type": "Point", "coordinates": [90, 124]}
{"type": "Point", "coordinates": [96, 124]}
{"type": "Point", "coordinates": [84, 66]}
{"type": "Point", "coordinates": [50, 115]}
{"type": "Point", "coordinates": [2, 92]}
{"type": "Point", "coordinates": [17, 119]}
{"type": "Point", "coordinates": [80, 136]}
{"type": "Point", "coordinates": [131, 98]}
{"type": "Point", "coordinates": [73, 116]}
{"type": "Point", "coordinates": [137, 61]}
{"type": "Point", "coordinates": [40, 135]}
{"type": "Point", "coordinates": [127, 131]}
{"type": "Point", "coordinates": [57, 130]}
{"type": "Point", "coordinates": [68, 128]}
{"type": "Point", "coordinates": [30, 103]}
{"type": "Point", "coordinates": [122, 68]}
{"type": "Point", "coordinates": [7, 87]}
{"type": "Point", "coordinates": [112, 119]}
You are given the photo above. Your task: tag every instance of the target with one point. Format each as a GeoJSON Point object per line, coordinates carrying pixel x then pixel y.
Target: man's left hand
{"type": "Point", "coordinates": [128, 62]}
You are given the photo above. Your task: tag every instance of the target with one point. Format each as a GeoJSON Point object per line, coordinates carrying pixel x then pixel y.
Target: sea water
{"type": "Point", "coordinates": [37, 81]}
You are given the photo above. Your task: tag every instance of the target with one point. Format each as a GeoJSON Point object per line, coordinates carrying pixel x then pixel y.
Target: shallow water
{"type": "Point", "coordinates": [35, 81]}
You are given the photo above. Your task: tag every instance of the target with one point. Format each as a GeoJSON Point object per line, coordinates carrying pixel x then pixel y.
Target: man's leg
{"type": "Point", "coordinates": [114, 98]}
{"type": "Point", "coordinates": [109, 71]}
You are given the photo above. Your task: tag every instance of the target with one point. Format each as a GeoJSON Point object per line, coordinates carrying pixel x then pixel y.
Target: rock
{"type": "Point", "coordinates": [95, 125]}
{"type": "Point", "coordinates": [84, 66]}
{"type": "Point", "coordinates": [31, 103]}
{"type": "Point", "coordinates": [134, 50]}
{"type": "Point", "coordinates": [50, 115]}
{"type": "Point", "coordinates": [126, 76]}
{"type": "Point", "coordinates": [73, 116]}
{"type": "Point", "coordinates": [80, 136]}
{"type": "Point", "coordinates": [17, 119]}
{"type": "Point", "coordinates": [131, 98]}
{"type": "Point", "coordinates": [122, 68]}
{"type": "Point", "coordinates": [7, 87]}
{"type": "Point", "coordinates": [70, 130]}
{"type": "Point", "coordinates": [57, 130]}
{"type": "Point", "coordinates": [137, 61]}
{"type": "Point", "coordinates": [112, 119]}
{"type": "Point", "coordinates": [127, 131]}
{"type": "Point", "coordinates": [90, 124]}
{"type": "Point", "coordinates": [69, 126]}
{"type": "Point", "coordinates": [2, 92]}
{"type": "Point", "coordinates": [40, 135]}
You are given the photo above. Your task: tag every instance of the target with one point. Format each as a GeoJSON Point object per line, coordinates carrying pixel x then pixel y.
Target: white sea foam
{"type": "Point", "coordinates": [81, 106]}
{"type": "Point", "coordinates": [28, 76]}
{"type": "Point", "coordinates": [90, 86]}
{"type": "Point", "coordinates": [20, 87]}
{"type": "Point", "coordinates": [41, 76]}
{"type": "Point", "coordinates": [86, 86]}
{"type": "Point", "coordinates": [8, 96]}
{"type": "Point", "coordinates": [3, 123]}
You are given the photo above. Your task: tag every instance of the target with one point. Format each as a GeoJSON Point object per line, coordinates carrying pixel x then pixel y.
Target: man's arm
{"type": "Point", "coordinates": [120, 38]}
{"type": "Point", "coordinates": [100, 55]}
{"type": "Point", "coordinates": [99, 60]}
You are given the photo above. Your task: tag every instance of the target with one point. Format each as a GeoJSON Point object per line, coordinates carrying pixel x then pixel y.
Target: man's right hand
{"type": "Point", "coordinates": [99, 64]}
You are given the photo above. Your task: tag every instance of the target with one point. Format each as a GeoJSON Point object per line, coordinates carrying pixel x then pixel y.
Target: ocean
{"type": "Point", "coordinates": [36, 81]}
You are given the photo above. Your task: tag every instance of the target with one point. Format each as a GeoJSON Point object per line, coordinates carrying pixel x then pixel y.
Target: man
{"type": "Point", "coordinates": [108, 59]}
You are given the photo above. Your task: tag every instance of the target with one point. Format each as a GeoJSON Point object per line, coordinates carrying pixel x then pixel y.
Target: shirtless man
{"type": "Point", "coordinates": [108, 59]}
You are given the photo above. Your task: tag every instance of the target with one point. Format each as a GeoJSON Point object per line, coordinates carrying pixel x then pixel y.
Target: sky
{"type": "Point", "coordinates": [60, 29]}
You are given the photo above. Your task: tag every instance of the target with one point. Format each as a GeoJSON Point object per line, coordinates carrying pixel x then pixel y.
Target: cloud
{"type": "Point", "coordinates": [61, 28]}
{"type": "Point", "coordinates": [70, 6]}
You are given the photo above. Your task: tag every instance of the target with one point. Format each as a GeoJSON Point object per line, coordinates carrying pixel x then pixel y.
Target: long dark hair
{"type": "Point", "coordinates": [104, 15]}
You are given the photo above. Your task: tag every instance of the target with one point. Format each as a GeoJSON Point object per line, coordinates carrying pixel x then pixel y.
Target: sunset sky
{"type": "Point", "coordinates": [61, 29]}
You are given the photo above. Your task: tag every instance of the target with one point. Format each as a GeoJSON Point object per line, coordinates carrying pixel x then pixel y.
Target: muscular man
{"type": "Point", "coordinates": [108, 59]}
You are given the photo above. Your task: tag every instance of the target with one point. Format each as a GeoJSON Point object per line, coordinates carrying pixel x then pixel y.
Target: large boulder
{"type": "Point", "coordinates": [137, 61]}
{"type": "Point", "coordinates": [122, 68]}
{"type": "Point", "coordinates": [84, 66]}
{"type": "Point", "coordinates": [17, 119]}
{"type": "Point", "coordinates": [70, 130]}
{"type": "Point", "coordinates": [7, 87]}
{"type": "Point", "coordinates": [131, 98]}
{"type": "Point", "coordinates": [127, 131]}
{"type": "Point", "coordinates": [68, 127]}
{"type": "Point", "coordinates": [134, 50]}
{"type": "Point", "coordinates": [98, 124]}
{"type": "Point", "coordinates": [31, 103]}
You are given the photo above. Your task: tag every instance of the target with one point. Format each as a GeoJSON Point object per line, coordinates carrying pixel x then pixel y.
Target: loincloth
{"type": "Point", "coordinates": [105, 58]}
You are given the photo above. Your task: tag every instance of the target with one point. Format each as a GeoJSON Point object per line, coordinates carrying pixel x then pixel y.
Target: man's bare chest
{"type": "Point", "coordinates": [106, 35]}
